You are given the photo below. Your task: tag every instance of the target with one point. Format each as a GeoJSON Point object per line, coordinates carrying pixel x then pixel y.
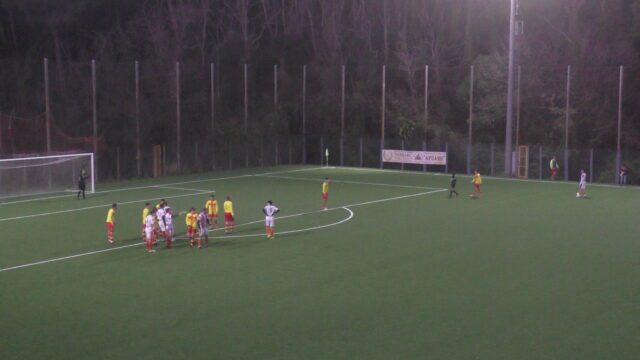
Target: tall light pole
{"type": "Point", "coordinates": [509, 135]}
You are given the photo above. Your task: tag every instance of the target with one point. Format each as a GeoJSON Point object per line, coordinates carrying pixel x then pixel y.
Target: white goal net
{"type": "Point", "coordinates": [34, 175]}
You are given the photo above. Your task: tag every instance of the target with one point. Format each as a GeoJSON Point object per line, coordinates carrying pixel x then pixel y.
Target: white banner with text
{"type": "Point", "coordinates": [414, 157]}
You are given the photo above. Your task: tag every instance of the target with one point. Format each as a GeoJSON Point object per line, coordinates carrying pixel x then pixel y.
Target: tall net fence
{"type": "Point", "coordinates": [195, 116]}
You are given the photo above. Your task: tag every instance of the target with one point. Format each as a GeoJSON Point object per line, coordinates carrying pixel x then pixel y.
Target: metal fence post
{"type": "Point", "coordinates": [470, 136]}
{"type": "Point", "coordinates": [342, 118]}
{"type": "Point", "coordinates": [380, 152]}
{"type": "Point", "coordinates": [384, 94]}
{"type": "Point", "coordinates": [618, 155]}
{"type": "Point", "coordinates": [178, 135]}
{"type": "Point", "coordinates": [493, 148]}
{"type": "Point", "coordinates": [47, 106]}
{"type": "Point", "coordinates": [246, 117]}
{"type": "Point", "coordinates": [590, 165]}
{"type": "Point", "coordinates": [276, 153]}
{"type": "Point", "coordinates": [213, 114]}
{"type": "Point", "coordinates": [540, 162]}
{"type": "Point", "coordinates": [424, 148]}
{"type": "Point", "coordinates": [402, 147]}
{"type": "Point", "coordinates": [137, 105]}
{"type": "Point", "coordinates": [290, 152]}
{"type": "Point", "coordinates": [95, 118]}
{"type": "Point", "coordinates": [304, 114]}
{"type": "Point", "coordinates": [446, 150]}
{"type": "Point", "coordinates": [566, 126]}
{"type": "Point", "coordinates": [468, 158]}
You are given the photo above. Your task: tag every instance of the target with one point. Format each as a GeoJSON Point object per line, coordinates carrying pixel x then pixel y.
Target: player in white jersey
{"type": "Point", "coordinates": [149, 229]}
{"type": "Point", "coordinates": [160, 215]}
{"type": "Point", "coordinates": [203, 227]}
{"type": "Point", "coordinates": [269, 212]}
{"type": "Point", "coordinates": [582, 185]}
{"type": "Point", "coordinates": [168, 224]}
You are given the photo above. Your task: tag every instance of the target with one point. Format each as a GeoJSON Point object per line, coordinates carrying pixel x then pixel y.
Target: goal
{"type": "Point", "coordinates": [35, 175]}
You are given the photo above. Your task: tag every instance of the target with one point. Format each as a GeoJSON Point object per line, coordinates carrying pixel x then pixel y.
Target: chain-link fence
{"type": "Point", "coordinates": [205, 116]}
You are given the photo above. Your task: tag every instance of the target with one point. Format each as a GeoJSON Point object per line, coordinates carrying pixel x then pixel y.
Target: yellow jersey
{"type": "Point", "coordinates": [212, 207]}
{"type": "Point", "coordinates": [477, 180]}
{"type": "Point", "coordinates": [228, 207]}
{"type": "Point", "coordinates": [145, 212]}
{"type": "Point", "coordinates": [191, 219]}
{"type": "Point", "coordinates": [111, 216]}
{"type": "Point", "coordinates": [325, 187]}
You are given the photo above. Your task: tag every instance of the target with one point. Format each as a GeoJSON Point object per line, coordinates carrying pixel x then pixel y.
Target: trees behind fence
{"type": "Point", "coordinates": [222, 115]}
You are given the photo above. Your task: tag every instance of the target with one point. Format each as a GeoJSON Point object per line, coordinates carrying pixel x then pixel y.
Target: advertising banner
{"type": "Point", "coordinates": [414, 157]}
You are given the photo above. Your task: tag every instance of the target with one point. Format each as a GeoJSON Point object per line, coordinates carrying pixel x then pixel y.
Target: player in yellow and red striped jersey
{"type": "Point", "coordinates": [477, 182]}
{"type": "Point", "coordinates": [228, 216]}
{"type": "Point", "coordinates": [325, 193]}
{"type": "Point", "coordinates": [192, 221]}
{"type": "Point", "coordinates": [212, 209]}
{"type": "Point", "coordinates": [145, 212]}
{"type": "Point", "coordinates": [111, 222]}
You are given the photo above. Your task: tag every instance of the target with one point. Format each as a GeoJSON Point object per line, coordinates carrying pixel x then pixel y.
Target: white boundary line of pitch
{"type": "Point", "coordinates": [167, 184]}
{"type": "Point", "coordinates": [252, 222]}
{"type": "Point", "coordinates": [415, 172]}
{"type": "Point", "coordinates": [349, 182]}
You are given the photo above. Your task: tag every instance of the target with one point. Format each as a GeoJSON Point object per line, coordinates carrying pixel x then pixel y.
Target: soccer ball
{"type": "Point", "coordinates": [577, 194]}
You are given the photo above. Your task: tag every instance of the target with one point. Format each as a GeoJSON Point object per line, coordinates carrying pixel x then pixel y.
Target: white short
{"type": "Point", "coordinates": [170, 230]}
{"type": "Point", "coordinates": [161, 226]}
{"type": "Point", "coordinates": [582, 186]}
{"type": "Point", "coordinates": [204, 231]}
{"type": "Point", "coordinates": [148, 232]}
{"type": "Point", "coordinates": [269, 221]}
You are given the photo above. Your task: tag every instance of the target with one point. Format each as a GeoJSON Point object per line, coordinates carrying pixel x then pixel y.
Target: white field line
{"type": "Point", "coordinates": [287, 231]}
{"type": "Point", "coordinates": [69, 257]}
{"type": "Point", "coordinates": [559, 182]}
{"type": "Point", "coordinates": [248, 223]}
{"type": "Point", "coordinates": [35, 194]}
{"type": "Point", "coordinates": [297, 170]}
{"type": "Point", "coordinates": [183, 189]}
{"type": "Point", "coordinates": [350, 182]}
{"type": "Point", "coordinates": [167, 184]}
{"type": "Point", "coordinates": [97, 206]}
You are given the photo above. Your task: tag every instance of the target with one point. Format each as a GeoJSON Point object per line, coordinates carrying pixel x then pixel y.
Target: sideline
{"type": "Point", "coordinates": [349, 182]}
{"type": "Point", "coordinates": [499, 178]}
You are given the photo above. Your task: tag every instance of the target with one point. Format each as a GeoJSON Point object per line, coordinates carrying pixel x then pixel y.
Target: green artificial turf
{"type": "Point", "coordinates": [527, 272]}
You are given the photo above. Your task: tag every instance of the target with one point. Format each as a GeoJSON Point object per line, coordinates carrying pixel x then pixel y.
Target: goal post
{"type": "Point", "coordinates": [36, 175]}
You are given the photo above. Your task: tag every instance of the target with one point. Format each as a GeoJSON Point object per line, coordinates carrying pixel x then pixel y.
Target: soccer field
{"type": "Point", "coordinates": [393, 270]}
